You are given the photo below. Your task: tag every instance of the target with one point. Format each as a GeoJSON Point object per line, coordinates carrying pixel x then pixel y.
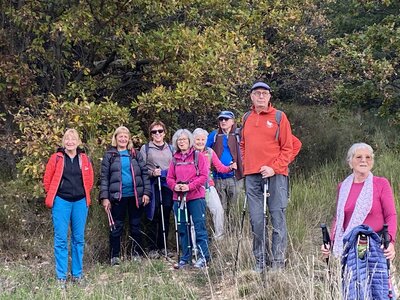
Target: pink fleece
{"type": "Point", "coordinates": [187, 173]}
{"type": "Point", "coordinates": [218, 165]}
{"type": "Point", "coordinates": [383, 210]}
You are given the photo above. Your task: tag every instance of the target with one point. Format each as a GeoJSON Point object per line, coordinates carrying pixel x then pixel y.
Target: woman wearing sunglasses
{"type": "Point", "coordinates": [158, 155]}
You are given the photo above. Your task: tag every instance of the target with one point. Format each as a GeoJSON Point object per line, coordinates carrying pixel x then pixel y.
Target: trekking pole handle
{"type": "Point", "coordinates": [385, 236]}
{"type": "Point", "coordinates": [326, 239]}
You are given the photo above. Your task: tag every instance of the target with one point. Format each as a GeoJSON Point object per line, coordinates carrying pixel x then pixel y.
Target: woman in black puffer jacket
{"type": "Point", "coordinates": [124, 187]}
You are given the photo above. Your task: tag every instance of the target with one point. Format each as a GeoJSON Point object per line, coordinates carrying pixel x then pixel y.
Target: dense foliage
{"type": "Point", "coordinates": [103, 63]}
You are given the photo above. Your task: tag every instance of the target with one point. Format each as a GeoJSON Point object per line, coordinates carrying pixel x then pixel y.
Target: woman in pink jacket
{"type": "Point", "coordinates": [212, 199]}
{"type": "Point", "coordinates": [187, 176]}
{"type": "Point", "coordinates": [362, 199]}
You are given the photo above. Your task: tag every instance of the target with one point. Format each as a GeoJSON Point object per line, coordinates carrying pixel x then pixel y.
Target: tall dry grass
{"type": "Point", "coordinates": [28, 268]}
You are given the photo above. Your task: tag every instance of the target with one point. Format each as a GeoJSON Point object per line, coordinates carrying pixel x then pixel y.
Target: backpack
{"type": "Point", "coordinates": [195, 162]}
{"type": "Point", "coordinates": [364, 267]}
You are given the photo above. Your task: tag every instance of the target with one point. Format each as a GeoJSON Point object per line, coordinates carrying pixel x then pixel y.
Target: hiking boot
{"type": "Point", "coordinates": [62, 283]}
{"type": "Point", "coordinates": [201, 263]}
{"type": "Point", "coordinates": [115, 261]}
{"type": "Point", "coordinates": [219, 237]}
{"type": "Point", "coordinates": [136, 258]}
{"type": "Point", "coordinates": [77, 280]}
{"type": "Point", "coordinates": [170, 254]}
{"type": "Point", "coordinates": [259, 268]}
{"type": "Point", "coordinates": [154, 254]}
{"type": "Point", "coordinates": [278, 265]}
{"type": "Point", "coordinates": [182, 265]}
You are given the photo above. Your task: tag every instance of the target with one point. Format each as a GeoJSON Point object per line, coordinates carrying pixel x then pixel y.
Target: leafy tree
{"type": "Point", "coordinates": [94, 122]}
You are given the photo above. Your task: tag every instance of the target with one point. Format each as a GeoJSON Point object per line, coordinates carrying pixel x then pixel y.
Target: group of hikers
{"type": "Point", "coordinates": [199, 171]}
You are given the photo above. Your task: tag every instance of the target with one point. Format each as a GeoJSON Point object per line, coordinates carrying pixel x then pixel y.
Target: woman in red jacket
{"type": "Point", "coordinates": [67, 181]}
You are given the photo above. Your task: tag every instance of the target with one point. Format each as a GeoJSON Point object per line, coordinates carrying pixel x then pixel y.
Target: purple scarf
{"type": "Point", "coordinates": [361, 210]}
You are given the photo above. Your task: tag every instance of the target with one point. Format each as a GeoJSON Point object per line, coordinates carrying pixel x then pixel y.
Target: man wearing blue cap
{"type": "Point", "coordinates": [267, 149]}
{"type": "Point", "coordinates": [225, 143]}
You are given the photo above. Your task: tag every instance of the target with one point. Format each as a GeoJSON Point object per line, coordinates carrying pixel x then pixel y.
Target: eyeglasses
{"type": "Point", "coordinates": [157, 131]}
{"type": "Point", "coordinates": [259, 94]}
{"type": "Point", "coordinates": [182, 139]}
{"type": "Point", "coordinates": [223, 119]}
{"type": "Point", "coordinates": [361, 157]}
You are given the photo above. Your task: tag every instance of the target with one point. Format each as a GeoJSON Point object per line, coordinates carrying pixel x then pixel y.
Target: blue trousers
{"type": "Point", "coordinates": [64, 214]}
{"type": "Point", "coordinates": [197, 210]}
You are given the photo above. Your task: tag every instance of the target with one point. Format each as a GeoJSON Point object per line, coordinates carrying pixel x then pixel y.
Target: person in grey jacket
{"type": "Point", "coordinates": [124, 187]}
{"type": "Point", "coordinates": [158, 155]}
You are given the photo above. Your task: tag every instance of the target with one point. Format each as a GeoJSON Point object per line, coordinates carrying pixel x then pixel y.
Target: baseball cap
{"type": "Point", "coordinates": [260, 85]}
{"type": "Point", "coordinates": [226, 114]}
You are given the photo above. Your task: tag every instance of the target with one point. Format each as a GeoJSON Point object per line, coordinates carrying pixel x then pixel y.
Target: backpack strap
{"type": "Point", "coordinates": [146, 149]}
{"type": "Point", "coordinates": [278, 118]}
{"type": "Point", "coordinates": [195, 162]}
{"type": "Point", "coordinates": [133, 153]}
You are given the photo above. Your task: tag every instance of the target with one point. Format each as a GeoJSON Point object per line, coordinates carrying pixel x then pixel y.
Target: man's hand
{"type": "Point", "coordinates": [266, 171]}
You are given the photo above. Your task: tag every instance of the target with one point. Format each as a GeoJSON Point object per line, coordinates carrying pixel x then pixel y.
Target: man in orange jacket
{"type": "Point", "coordinates": [267, 150]}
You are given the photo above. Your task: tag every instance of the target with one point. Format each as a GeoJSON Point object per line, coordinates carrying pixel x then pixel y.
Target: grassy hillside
{"type": "Point", "coordinates": [28, 268]}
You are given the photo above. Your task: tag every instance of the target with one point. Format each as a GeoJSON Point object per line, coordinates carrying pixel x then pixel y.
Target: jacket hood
{"type": "Point", "coordinates": [78, 150]}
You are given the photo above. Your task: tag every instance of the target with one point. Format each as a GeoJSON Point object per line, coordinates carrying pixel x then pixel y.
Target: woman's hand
{"type": "Point", "coordinates": [145, 200]}
{"type": "Point", "coordinates": [233, 166]}
{"type": "Point", "coordinates": [181, 187]}
{"type": "Point", "coordinates": [389, 253]}
{"type": "Point", "coordinates": [156, 172]}
{"type": "Point", "coordinates": [326, 250]}
{"type": "Point", "coordinates": [106, 204]}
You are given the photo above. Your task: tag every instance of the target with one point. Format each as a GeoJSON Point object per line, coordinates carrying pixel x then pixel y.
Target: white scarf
{"type": "Point", "coordinates": [361, 209]}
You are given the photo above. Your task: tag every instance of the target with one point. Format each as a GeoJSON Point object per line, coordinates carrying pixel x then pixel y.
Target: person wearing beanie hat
{"type": "Point", "coordinates": [225, 142]}
{"type": "Point", "coordinates": [266, 149]}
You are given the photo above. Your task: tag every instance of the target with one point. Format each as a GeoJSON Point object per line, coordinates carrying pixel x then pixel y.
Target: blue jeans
{"type": "Point", "coordinates": [64, 214]}
{"type": "Point", "coordinates": [197, 210]}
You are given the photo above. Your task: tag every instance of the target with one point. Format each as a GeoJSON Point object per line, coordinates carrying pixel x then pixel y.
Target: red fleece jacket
{"type": "Point", "coordinates": [259, 146]}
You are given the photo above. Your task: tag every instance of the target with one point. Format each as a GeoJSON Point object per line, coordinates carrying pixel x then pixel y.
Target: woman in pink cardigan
{"type": "Point", "coordinates": [212, 199]}
{"type": "Point", "coordinates": [363, 198]}
{"type": "Point", "coordinates": [187, 176]}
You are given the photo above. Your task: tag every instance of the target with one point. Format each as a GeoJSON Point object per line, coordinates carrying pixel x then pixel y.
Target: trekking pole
{"type": "Point", "coordinates": [240, 233]}
{"type": "Point", "coordinates": [110, 219]}
{"type": "Point", "coordinates": [266, 195]}
{"type": "Point", "coordinates": [193, 237]}
{"type": "Point", "coordinates": [162, 215]}
{"type": "Point", "coordinates": [187, 221]}
{"type": "Point", "coordinates": [177, 220]}
{"type": "Point", "coordinates": [386, 242]}
{"type": "Point", "coordinates": [326, 239]}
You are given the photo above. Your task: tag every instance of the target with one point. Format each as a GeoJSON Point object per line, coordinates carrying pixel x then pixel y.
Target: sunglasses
{"type": "Point", "coordinates": [157, 131]}
{"type": "Point", "coordinates": [223, 119]}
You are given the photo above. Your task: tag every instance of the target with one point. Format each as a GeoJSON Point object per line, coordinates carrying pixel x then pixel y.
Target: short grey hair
{"type": "Point", "coordinates": [200, 131]}
{"type": "Point", "coordinates": [178, 134]}
{"type": "Point", "coordinates": [356, 146]}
